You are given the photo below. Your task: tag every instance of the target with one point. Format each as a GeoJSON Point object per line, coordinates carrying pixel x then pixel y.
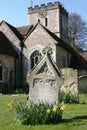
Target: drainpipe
{"type": "Point", "coordinates": [14, 73]}
{"type": "Point", "coordinates": [21, 65]}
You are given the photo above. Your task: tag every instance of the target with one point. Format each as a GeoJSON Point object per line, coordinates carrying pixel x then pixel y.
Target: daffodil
{"type": "Point", "coordinates": [66, 91]}
{"type": "Point", "coordinates": [62, 107]}
{"type": "Point", "coordinates": [62, 102]}
{"type": "Point", "coordinates": [28, 107]}
{"type": "Point", "coordinates": [55, 108]}
{"type": "Point", "coordinates": [11, 105]}
{"type": "Point", "coordinates": [48, 111]}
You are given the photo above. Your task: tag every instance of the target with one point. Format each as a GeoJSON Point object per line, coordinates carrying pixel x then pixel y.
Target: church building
{"type": "Point", "coordinates": [21, 47]}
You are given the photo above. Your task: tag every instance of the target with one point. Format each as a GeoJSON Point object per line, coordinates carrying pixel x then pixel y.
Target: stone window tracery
{"type": "Point", "coordinates": [35, 57]}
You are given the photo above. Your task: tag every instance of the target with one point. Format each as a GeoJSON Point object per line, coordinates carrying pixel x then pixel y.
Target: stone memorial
{"type": "Point", "coordinates": [70, 81]}
{"type": "Point", "coordinates": [45, 80]}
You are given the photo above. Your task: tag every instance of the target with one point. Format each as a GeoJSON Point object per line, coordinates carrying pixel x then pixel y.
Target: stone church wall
{"type": "Point", "coordinates": [62, 57]}
{"type": "Point", "coordinates": [16, 45]}
{"type": "Point", "coordinates": [7, 72]}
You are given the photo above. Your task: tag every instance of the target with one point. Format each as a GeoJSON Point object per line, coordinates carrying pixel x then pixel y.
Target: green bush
{"type": "Point", "coordinates": [38, 113]}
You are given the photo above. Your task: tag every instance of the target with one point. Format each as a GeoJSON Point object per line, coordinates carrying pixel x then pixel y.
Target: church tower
{"type": "Point", "coordinates": [53, 16]}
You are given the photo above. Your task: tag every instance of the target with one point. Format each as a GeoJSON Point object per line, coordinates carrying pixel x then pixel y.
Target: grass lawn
{"type": "Point", "coordinates": [74, 117]}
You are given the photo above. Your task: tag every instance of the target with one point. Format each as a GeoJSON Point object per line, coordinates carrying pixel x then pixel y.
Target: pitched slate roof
{"type": "Point", "coordinates": [15, 31]}
{"type": "Point", "coordinates": [24, 30]}
{"type": "Point", "coordinates": [78, 62]}
{"type": "Point", "coordinates": [84, 55]}
{"type": "Point", "coordinates": [6, 47]}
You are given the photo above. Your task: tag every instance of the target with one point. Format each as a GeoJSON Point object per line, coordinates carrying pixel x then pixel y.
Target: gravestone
{"type": "Point", "coordinates": [70, 81]}
{"type": "Point", "coordinates": [83, 84]}
{"type": "Point", "coordinates": [45, 80]}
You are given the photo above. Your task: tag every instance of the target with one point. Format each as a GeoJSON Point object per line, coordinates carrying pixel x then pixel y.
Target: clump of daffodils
{"type": "Point", "coordinates": [56, 108]}
{"type": "Point", "coordinates": [42, 113]}
{"type": "Point", "coordinates": [68, 96]}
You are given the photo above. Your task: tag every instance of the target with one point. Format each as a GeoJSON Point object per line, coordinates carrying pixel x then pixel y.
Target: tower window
{"type": "Point", "coordinates": [46, 22]}
{"type": "Point", "coordinates": [38, 20]}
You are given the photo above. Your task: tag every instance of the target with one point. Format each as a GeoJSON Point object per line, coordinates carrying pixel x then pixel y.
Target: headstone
{"type": "Point", "coordinates": [70, 81]}
{"type": "Point", "coordinates": [45, 80]}
{"type": "Point", "coordinates": [83, 84]}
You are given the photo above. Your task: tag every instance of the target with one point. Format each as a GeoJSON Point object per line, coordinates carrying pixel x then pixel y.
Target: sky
{"type": "Point", "coordinates": [15, 12]}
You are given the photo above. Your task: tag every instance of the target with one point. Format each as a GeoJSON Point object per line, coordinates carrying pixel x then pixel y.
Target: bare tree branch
{"type": "Point", "coordinates": [77, 31]}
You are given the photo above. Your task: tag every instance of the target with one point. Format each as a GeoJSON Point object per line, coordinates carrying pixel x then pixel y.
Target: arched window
{"type": "Point", "coordinates": [35, 57]}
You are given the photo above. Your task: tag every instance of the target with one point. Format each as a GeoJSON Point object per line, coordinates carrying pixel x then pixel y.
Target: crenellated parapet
{"type": "Point", "coordinates": [47, 7]}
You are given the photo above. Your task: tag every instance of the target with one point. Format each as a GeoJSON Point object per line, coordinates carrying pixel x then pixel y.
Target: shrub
{"type": "Point", "coordinates": [38, 113]}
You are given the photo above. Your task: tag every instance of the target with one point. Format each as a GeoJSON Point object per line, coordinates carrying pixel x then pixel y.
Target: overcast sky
{"type": "Point", "coordinates": [15, 11]}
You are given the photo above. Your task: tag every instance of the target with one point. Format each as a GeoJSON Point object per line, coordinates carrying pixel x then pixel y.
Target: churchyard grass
{"type": "Point", "coordinates": [74, 116]}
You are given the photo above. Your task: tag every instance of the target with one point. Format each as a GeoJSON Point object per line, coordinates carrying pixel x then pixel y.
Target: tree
{"type": "Point", "coordinates": [77, 31]}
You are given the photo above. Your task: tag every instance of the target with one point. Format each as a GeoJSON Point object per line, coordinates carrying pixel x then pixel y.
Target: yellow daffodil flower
{"type": "Point", "coordinates": [11, 105]}
{"type": "Point", "coordinates": [62, 102]}
{"type": "Point", "coordinates": [55, 108]}
{"type": "Point", "coordinates": [48, 111]}
{"type": "Point", "coordinates": [62, 108]}
{"type": "Point", "coordinates": [28, 107]}
{"type": "Point", "coordinates": [66, 91]}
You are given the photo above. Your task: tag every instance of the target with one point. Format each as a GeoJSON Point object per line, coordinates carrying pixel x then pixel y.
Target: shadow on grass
{"type": "Point", "coordinates": [83, 103]}
{"type": "Point", "coordinates": [74, 119]}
